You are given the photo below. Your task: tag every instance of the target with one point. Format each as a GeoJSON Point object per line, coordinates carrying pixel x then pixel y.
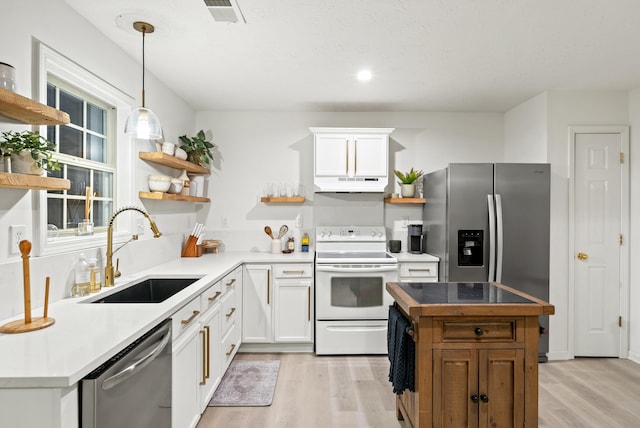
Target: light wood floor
{"type": "Point", "coordinates": [353, 391]}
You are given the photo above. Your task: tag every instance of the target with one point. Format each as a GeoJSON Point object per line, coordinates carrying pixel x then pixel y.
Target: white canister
{"type": "Point", "coordinates": [7, 77]}
{"type": "Point", "coordinates": [193, 188]}
{"type": "Point", "coordinates": [199, 181]}
{"type": "Point", "coordinates": [276, 246]}
{"type": "Point", "coordinates": [168, 148]}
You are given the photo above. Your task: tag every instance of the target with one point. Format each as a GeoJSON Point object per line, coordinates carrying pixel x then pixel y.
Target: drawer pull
{"type": "Point", "coordinates": [188, 320]}
{"type": "Point", "coordinates": [230, 283]}
{"type": "Point", "coordinates": [475, 398]}
{"type": "Point", "coordinates": [301, 271]}
{"type": "Point", "coordinates": [484, 398]}
{"type": "Point", "coordinates": [208, 348]}
{"type": "Point", "coordinates": [215, 296]}
{"type": "Point", "coordinates": [231, 349]}
{"type": "Point", "coordinates": [204, 358]}
{"type": "Point", "coordinates": [478, 331]}
{"type": "Point", "coordinates": [419, 270]}
{"type": "Point", "coordinates": [230, 312]}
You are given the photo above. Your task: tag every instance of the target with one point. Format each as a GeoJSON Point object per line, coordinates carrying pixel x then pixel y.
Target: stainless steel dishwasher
{"type": "Point", "coordinates": [132, 389]}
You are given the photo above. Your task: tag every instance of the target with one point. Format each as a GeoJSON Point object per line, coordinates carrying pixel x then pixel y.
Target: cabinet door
{"type": "Point", "coordinates": [186, 371]}
{"type": "Point", "coordinates": [257, 304]}
{"type": "Point", "coordinates": [293, 311]}
{"type": "Point", "coordinates": [331, 155]}
{"type": "Point", "coordinates": [370, 153]}
{"type": "Point", "coordinates": [455, 381]}
{"type": "Point", "coordinates": [501, 388]}
{"type": "Point", "coordinates": [208, 350]}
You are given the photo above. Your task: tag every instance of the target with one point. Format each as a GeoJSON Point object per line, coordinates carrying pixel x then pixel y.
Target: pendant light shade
{"type": "Point", "coordinates": [142, 123]}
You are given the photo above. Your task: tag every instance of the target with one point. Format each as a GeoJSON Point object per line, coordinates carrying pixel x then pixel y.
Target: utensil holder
{"type": "Point", "coordinates": [191, 249]}
{"type": "Point", "coordinates": [276, 246]}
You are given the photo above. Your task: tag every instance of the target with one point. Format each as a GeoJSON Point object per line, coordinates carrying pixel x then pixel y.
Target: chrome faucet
{"type": "Point", "coordinates": [109, 274]}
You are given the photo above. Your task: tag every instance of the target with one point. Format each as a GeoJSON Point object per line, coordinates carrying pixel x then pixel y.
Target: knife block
{"type": "Point", "coordinates": [191, 249]}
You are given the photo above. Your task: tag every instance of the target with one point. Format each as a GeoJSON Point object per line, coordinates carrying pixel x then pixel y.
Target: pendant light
{"type": "Point", "coordinates": [142, 123]}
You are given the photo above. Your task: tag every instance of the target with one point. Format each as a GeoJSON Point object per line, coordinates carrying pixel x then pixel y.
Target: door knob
{"type": "Point", "coordinates": [583, 256]}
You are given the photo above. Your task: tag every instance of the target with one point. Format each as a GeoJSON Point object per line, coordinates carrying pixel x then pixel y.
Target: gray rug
{"type": "Point", "coordinates": [247, 383]}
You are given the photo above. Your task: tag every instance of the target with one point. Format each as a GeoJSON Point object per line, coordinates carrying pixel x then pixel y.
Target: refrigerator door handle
{"type": "Point", "coordinates": [499, 237]}
{"type": "Point", "coordinates": [492, 238]}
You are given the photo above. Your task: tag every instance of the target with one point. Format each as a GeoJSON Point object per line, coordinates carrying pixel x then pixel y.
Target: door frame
{"type": "Point", "coordinates": [623, 131]}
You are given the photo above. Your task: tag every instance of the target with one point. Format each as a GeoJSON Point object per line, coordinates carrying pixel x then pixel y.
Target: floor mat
{"type": "Point", "coordinates": [247, 383]}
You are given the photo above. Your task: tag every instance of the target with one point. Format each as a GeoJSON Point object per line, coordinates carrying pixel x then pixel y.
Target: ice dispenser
{"type": "Point", "coordinates": [470, 247]}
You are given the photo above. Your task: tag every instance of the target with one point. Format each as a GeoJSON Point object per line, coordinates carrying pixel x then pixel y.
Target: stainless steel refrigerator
{"type": "Point", "coordinates": [490, 222]}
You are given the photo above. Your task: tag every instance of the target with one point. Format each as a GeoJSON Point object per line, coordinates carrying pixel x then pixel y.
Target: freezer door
{"type": "Point", "coordinates": [468, 222]}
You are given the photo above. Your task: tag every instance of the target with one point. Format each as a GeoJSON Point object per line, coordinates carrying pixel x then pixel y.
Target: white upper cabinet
{"type": "Point", "coordinates": [351, 159]}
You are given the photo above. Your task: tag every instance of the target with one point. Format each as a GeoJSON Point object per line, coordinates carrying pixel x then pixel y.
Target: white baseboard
{"type": "Point", "coordinates": [276, 348]}
{"type": "Point", "coordinates": [634, 356]}
{"type": "Point", "coordinates": [559, 356]}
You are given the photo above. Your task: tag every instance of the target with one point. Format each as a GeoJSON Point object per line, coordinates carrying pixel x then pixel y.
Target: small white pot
{"type": "Point", "coordinates": [23, 163]}
{"type": "Point", "coordinates": [408, 190]}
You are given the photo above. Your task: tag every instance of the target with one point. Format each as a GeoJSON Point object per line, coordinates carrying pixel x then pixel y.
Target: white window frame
{"type": "Point", "coordinates": [53, 63]}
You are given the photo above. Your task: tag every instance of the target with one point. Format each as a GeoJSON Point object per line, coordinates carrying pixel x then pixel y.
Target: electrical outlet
{"type": "Point", "coordinates": [224, 222]}
{"type": "Point", "coordinates": [140, 226]}
{"type": "Point", "coordinates": [16, 234]}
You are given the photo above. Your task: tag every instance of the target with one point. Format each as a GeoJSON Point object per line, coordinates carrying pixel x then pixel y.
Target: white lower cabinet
{"type": "Point", "coordinates": [277, 303]}
{"type": "Point", "coordinates": [209, 367]}
{"type": "Point", "coordinates": [185, 411]}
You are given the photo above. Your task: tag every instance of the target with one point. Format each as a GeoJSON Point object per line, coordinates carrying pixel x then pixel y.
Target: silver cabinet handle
{"type": "Point", "coordinates": [301, 271]}
{"type": "Point", "coordinates": [419, 270]}
{"type": "Point", "coordinates": [188, 320]}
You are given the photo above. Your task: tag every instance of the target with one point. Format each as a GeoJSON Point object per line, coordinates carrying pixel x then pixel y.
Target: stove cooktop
{"type": "Point", "coordinates": [354, 257]}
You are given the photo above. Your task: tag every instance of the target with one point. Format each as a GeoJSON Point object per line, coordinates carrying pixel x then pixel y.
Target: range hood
{"type": "Point", "coordinates": [351, 159]}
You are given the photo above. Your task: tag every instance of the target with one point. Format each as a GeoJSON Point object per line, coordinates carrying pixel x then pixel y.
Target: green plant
{"type": "Point", "coordinates": [409, 177]}
{"type": "Point", "coordinates": [198, 148]}
{"type": "Point", "coordinates": [40, 148]}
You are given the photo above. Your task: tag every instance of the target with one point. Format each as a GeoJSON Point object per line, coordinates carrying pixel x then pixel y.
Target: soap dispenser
{"type": "Point", "coordinates": [82, 274]}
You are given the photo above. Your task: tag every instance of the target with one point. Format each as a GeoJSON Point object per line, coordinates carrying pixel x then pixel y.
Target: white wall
{"type": "Point", "coordinates": [58, 26]}
{"type": "Point", "coordinates": [525, 131]}
{"type": "Point", "coordinates": [634, 235]}
{"type": "Point", "coordinates": [257, 147]}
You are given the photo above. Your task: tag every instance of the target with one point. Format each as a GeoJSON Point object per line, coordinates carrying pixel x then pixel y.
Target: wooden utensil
{"type": "Point", "coordinates": [283, 230]}
{"type": "Point", "coordinates": [268, 231]}
{"type": "Point", "coordinates": [25, 250]}
{"type": "Point", "coordinates": [46, 298]}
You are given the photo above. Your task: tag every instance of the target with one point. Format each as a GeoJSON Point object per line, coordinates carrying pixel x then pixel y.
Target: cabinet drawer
{"type": "Point", "coordinates": [185, 317]}
{"type": "Point", "coordinates": [211, 296]}
{"type": "Point", "coordinates": [499, 330]}
{"type": "Point", "coordinates": [422, 270]}
{"type": "Point", "coordinates": [229, 310]}
{"type": "Point", "coordinates": [229, 346]}
{"type": "Point", "coordinates": [302, 270]}
{"type": "Point", "coordinates": [229, 281]}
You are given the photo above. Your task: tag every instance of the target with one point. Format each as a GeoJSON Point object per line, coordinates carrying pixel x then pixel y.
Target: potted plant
{"type": "Point", "coordinates": [28, 151]}
{"type": "Point", "coordinates": [407, 182]}
{"type": "Point", "coordinates": [198, 148]}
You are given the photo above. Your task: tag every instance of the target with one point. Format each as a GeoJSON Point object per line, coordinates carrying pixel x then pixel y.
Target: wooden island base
{"type": "Point", "coordinates": [476, 356]}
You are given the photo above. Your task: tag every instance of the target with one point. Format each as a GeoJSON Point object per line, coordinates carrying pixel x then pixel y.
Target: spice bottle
{"type": "Point", "coordinates": [291, 245]}
{"type": "Point", "coordinates": [305, 243]}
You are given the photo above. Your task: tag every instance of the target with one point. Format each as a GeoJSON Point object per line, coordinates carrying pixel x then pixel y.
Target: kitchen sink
{"type": "Point", "coordinates": [152, 290]}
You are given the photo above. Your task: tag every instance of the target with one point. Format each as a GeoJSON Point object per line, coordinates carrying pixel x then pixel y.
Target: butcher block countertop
{"type": "Point", "coordinates": [465, 299]}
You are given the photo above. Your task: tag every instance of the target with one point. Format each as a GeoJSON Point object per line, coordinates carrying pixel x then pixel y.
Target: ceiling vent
{"type": "Point", "coordinates": [225, 10]}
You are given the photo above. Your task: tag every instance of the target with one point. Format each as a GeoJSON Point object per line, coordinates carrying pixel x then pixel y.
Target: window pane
{"type": "Point", "coordinates": [54, 212]}
{"type": "Point", "coordinates": [70, 141]}
{"type": "Point", "coordinates": [95, 118]}
{"type": "Point", "coordinates": [79, 178]}
{"type": "Point", "coordinates": [101, 213]}
{"type": "Point", "coordinates": [55, 174]}
{"type": "Point", "coordinates": [103, 184]}
{"type": "Point", "coordinates": [73, 106]}
{"type": "Point", "coordinates": [96, 148]}
{"type": "Point", "coordinates": [75, 212]}
{"type": "Point", "coordinates": [51, 133]}
{"type": "Point", "coordinates": [51, 95]}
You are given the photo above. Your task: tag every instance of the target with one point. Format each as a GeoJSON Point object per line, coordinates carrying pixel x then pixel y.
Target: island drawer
{"type": "Point", "coordinates": [485, 330]}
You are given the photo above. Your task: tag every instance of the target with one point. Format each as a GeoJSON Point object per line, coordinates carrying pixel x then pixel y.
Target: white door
{"type": "Point", "coordinates": [598, 226]}
{"type": "Point", "coordinates": [293, 311]}
{"type": "Point", "coordinates": [370, 155]}
{"type": "Point", "coordinates": [331, 155]}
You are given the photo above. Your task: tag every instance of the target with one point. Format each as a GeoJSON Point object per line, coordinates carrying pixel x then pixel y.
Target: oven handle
{"type": "Point", "coordinates": [389, 268]}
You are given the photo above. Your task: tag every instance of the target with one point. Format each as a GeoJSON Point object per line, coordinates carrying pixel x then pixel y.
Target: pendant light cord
{"type": "Point", "coordinates": [144, 28]}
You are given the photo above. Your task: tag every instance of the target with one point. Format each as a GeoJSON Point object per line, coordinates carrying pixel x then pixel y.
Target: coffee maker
{"type": "Point", "coordinates": [414, 238]}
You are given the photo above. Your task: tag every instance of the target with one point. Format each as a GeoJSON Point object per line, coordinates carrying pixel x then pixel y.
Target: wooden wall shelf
{"type": "Point", "coordinates": [35, 182]}
{"type": "Point", "coordinates": [173, 162]}
{"type": "Point", "coordinates": [405, 200]}
{"type": "Point", "coordinates": [158, 196]}
{"type": "Point", "coordinates": [26, 110]}
{"type": "Point", "coordinates": [282, 200]}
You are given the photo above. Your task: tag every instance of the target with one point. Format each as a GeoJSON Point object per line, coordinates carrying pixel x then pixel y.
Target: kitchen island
{"type": "Point", "coordinates": [476, 354]}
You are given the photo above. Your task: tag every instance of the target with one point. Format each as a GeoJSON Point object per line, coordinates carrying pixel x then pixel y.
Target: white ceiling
{"type": "Point", "coordinates": [425, 55]}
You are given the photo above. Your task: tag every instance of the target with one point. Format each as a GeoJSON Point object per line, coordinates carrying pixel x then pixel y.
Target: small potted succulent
{"type": "Point", "coordinates": [407, 181]}
{"type": "Point", "coordinates": [198, 148]}
{"type": "Point", "coordinates": [27, 152]}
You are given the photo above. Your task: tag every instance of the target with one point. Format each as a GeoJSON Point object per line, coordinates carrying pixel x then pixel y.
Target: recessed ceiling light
{"type": "Point", "coordinates": [364, 75]}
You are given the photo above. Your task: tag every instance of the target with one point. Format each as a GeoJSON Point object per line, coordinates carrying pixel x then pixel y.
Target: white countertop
{"type": "Point", "coordinates": [409, 257]}
{"type": "Point", "coordinates": [85, 335]}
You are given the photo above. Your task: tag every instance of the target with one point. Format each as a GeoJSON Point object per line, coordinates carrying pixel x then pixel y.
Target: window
{"type": "Point", "coordinates": [93, 152]}
{"type": "Point", "coordinates": [84, 146]}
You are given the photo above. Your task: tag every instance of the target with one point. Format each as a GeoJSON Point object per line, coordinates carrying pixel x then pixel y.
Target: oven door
{"type": "Point", "coordinates": [353, 291]}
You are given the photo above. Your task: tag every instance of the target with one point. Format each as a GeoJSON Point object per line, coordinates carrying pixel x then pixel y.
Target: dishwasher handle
{"type": "Point", "coordinates": [137, 365]}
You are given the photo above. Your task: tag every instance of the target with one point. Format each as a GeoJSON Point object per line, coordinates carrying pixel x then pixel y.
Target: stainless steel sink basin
{"type": "Point", "coordinates": [152, 290]}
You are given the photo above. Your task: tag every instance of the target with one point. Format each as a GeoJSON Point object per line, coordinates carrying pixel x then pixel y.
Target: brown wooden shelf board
{"type": "Point", "coordinates": [159, 196]}
{"type": "Point", "coordinates": [405, 200]}
{"type": "Point", "coordinates": [282, 200]}
{"type": "Point", "coordinates": [35, 182]}
{"type": "Point", "coordinates": [173, 162]}
{"type": "Point", "coordinates": [26, 110]}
